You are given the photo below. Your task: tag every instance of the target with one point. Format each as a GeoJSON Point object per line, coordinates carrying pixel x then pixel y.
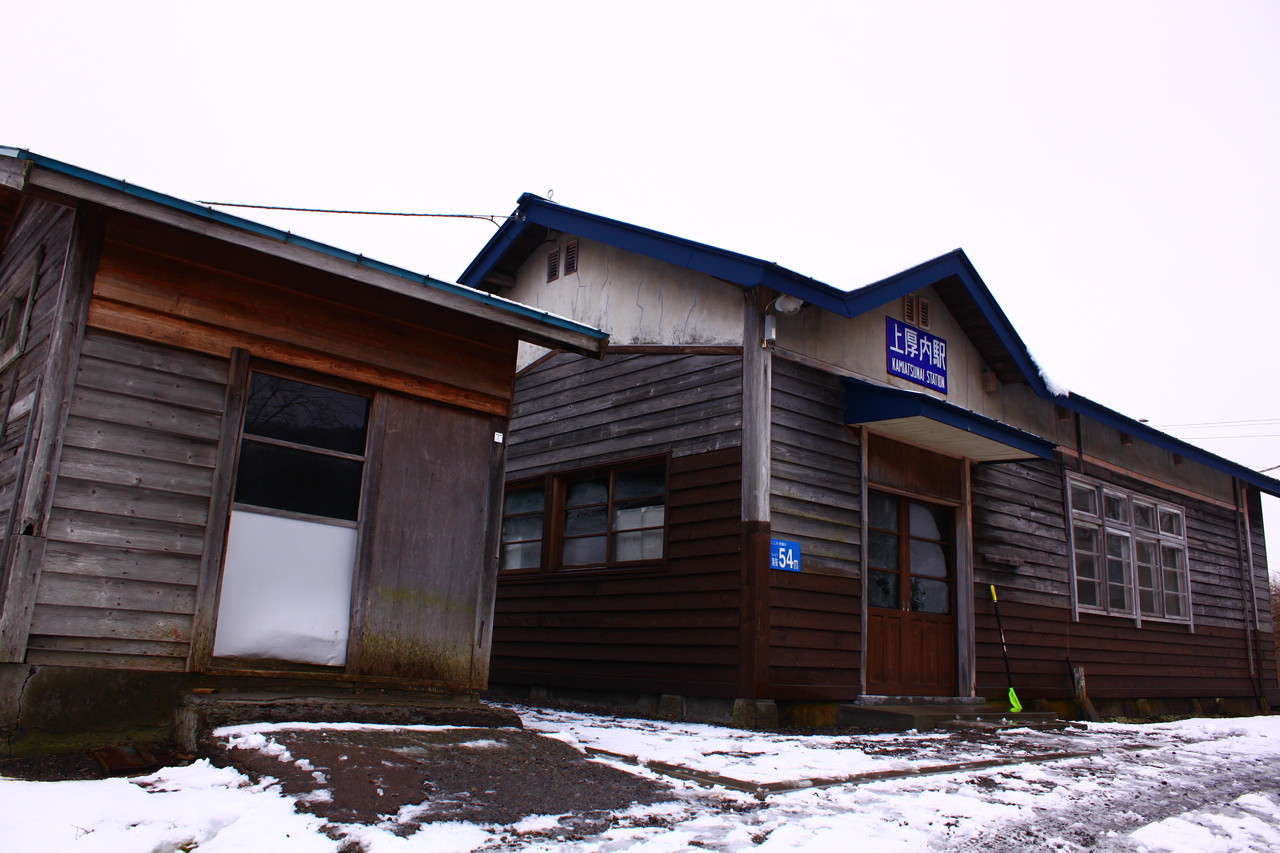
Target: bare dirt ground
{"type": "Point", "coordinates": [487, 776]}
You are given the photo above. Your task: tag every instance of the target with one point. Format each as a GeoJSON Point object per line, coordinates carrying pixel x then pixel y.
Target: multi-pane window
{"type": "Point", "coordinates": [1129, 552]}
{"type": "Point", "coordinates": [597, 519]}
{"type": "Point", "coordinates": [909, 554]}
{"type": "Point", "coordinates": [303, 448]}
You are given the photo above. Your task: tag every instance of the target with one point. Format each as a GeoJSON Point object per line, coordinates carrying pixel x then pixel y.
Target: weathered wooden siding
{"type": "Point", "coordinates": [815, 500]}
{"type": "Point", "coordinates": [667, 631]}
{"type": "Point", "coordinates": [38, 246]}
{"type": "Point", "coordinates": [426, 566]}
{"type": "Point", "coordinates": [815, 636]}
{"type": "Point", "coordinates": [299, 317]}
{"type": "Point", "coordinates": [1020, 544]}
{"type": "Point", "coordinates": [573, 411]}
{"type": "Point", "coordinates": [816, 482]}
{"type": "Point", "coordinates": [130, 505]}
{"type": "Point", "coordinates": [1121, 661]}
{"type": "Point", "coordinates": [1019, 532]}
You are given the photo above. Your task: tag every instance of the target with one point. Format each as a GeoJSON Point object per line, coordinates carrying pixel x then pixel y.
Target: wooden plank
{"type": "Point", "coordinates": [124, 563]}
{"type": "Point", "coordinates": [211, 298]}
{"type": "Point", "coordinates": [113, 437]}
{"type": "Point", "coordinates": [119, 469]}
{"type": "Point", "coordinates": [114, 594]}
{"type": "Point", "coordinates": [146, 414]}
{"type": "Point", "coordinates": [153, 386]}
{"type": "Point", "coordinates": [100, 529]}
{"type": "Point", "coordinates": [139, 353]}
{"type": "Point", "coordinates": [19, 600]}
{"type": "Point", "coordinates": [421, 602]}
{"type": "Point", "coordinates": [62, 621]}
{"type": "Point", "coordinates": [112, 647]}
{"type": "Point", "coordinates": [213, 340]}
{"type": "Point", "coordinates": [215, 533]}
{"type": "Point", "coordinates": [95, 660]}
{"type": "Point", "coordinates": [130, 501]}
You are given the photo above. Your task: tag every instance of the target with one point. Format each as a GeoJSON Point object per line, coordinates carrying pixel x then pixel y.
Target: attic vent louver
{"type": "Point", "coordinates": [915, 311]}
{"type": "Point", "coordinates": [571, 258]}
{"type": "Point", "coordinates": [553, 265]}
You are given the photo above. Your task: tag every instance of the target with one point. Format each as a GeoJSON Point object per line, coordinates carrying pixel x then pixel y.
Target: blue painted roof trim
{"type": "Point", "coordinates": [867, 403]}
{"type": "Point", "coordinates": [747, 271]}
{"type": "Point", "coordinates": [293, 239]}
{"type": "Point", "coordinates": [1109, 417]}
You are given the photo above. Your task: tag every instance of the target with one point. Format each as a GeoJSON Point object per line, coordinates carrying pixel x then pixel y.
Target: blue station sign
{"type": "Point", "coordinates": [784, 555]}
{"type": "Point", "coordinates": [915, 355]}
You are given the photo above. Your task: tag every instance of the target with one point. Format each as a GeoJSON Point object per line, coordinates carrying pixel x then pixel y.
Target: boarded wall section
{"type": "Point", "coordinates": [666, 630]}
{"type": "Point", "coordinates": [815, 500]}
{"type": "Point", "coordinates": [33, 266]}
{"type": "Point", "coordinates": [130, 505]}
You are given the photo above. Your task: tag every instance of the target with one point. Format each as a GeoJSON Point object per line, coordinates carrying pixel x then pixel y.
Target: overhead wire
{"type": "Point", "coordinates": [491, 217]}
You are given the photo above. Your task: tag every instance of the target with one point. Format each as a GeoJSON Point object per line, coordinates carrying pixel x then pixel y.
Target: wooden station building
{"type": "Point", "coordinates": [775, 492]}
{"type": "Point", "coordinates": [232, 456]}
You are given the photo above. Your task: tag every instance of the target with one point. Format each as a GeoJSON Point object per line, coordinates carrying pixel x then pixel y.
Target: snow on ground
{"type": "Point", "coordinates": [1201, 786]}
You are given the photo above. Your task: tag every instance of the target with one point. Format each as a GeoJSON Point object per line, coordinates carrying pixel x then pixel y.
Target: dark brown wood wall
{"type": "Point", "coordinates": [1020, 544]}
{"type": "Point", "coordinates": [815, 616]}
{"type": "Point", "coordinates": [1121, 661]}
{"type": "Point", "coordinates": [672, 630]}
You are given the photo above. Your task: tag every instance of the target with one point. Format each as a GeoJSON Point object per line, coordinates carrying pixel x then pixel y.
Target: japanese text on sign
{"type": "Point", "coordinates": [915, 355]}
{"type": "Point", "coordinates": [784, 555]}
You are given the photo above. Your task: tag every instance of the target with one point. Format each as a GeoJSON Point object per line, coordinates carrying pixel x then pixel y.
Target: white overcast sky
{"type": "Point", "coordinates": [1111, 168]}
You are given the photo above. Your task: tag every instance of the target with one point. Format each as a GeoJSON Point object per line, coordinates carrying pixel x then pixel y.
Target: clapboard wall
{"type": "Point", "coordinates": [1020, 544]}
{"type": "Point", "coordinates": [127, 526]}
{"type": "Point", "coordinates": [815, 500]}
{"type": "Point", "coordinates": [572, 411]}
{"type": "Point", "coordinates": [34, 262]}
{"type": "Point", "coordinates": [674, 629]}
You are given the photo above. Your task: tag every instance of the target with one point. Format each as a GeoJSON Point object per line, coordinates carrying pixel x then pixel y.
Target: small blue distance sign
{"type": "Point", "coordinates": [915, 355]}
{"type": "Point", "coordinates": [784, 555]}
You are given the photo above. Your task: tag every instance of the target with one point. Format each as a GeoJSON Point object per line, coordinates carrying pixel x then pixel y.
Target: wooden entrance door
{"type": "Point", "coordinates": [911, 622]}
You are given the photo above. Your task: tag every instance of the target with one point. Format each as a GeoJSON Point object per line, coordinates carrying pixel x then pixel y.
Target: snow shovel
{"type": "Point", "coordinates": [1014, 705]}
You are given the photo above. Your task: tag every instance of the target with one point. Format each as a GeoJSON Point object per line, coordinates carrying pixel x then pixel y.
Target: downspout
{"type": "Point", "coordinates": [1249, 596]}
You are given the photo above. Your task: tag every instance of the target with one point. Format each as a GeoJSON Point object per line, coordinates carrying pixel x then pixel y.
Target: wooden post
{"type": "Point", "coordinates": [757, 382]}
{"type": "Point", "coordinates": [215, 531]}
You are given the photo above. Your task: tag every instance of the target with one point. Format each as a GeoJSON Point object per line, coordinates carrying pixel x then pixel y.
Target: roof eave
{"type": "Point", "coordinates": [531, 324]}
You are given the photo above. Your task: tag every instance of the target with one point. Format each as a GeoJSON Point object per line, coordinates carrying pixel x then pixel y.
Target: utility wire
{"type": "Point", "coordinates": [490, 217]}
{"type": "Point", "coordinates": [1264, 421]}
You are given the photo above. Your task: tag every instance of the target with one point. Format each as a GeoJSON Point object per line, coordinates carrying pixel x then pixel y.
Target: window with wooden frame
{"type": "Point", "coordinates": [1129, 553]}
{"type": "Point", "coordinates": [302, 450]}
{"type": "Point", "coordinates": [910, 554]}
{"type": "Point", "coordinates": [571, 257]}
{"type": "Point", "coordinates": [600, 518]}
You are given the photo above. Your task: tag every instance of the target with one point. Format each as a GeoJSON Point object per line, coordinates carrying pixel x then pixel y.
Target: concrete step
{"type": "Point", "coordinates": [200, 713]}
{"type": "Point", "coordinates": [924, 716]}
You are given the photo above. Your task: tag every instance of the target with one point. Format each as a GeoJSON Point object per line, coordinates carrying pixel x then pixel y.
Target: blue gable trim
{"type": "Point", "coordinates": [867, 403]}
{"type": "Point", "coordinates": [747, 271]}
{"type": "Point", "coordinates": [1110, 417]}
